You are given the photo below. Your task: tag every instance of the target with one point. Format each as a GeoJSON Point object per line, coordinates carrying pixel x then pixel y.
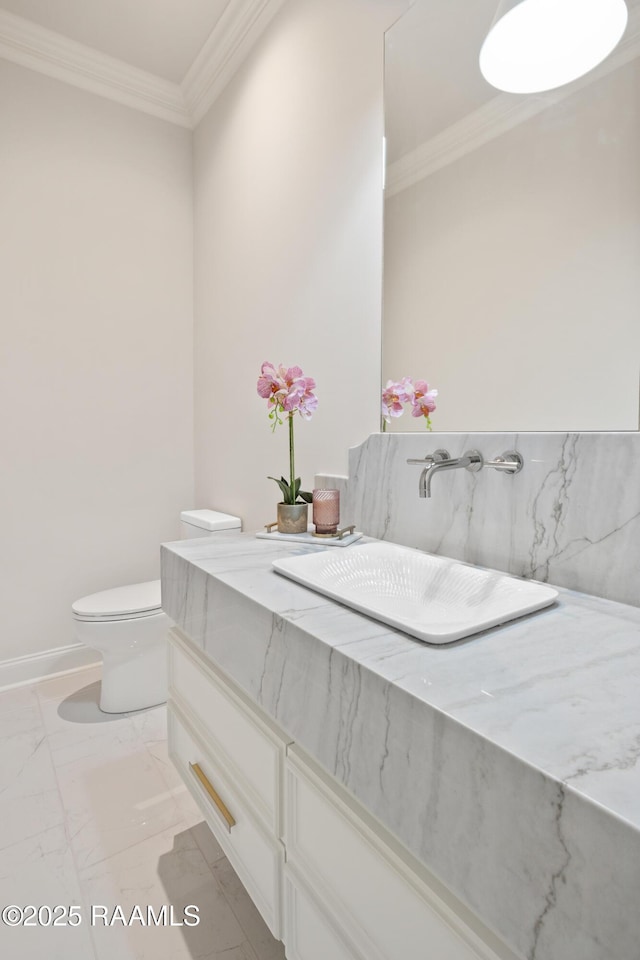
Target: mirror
{"type": "Point", "coordinates": [512, 233]}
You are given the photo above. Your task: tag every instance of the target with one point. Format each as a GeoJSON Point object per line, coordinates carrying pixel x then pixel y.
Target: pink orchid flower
{"type": "Point", "coordinates": [308, 401]}
{"type": "Point", "coordinates": [423, 400]}
{"type": "Point", "coordinates": [395, 393]}
{"type": "Point", "coordinates": [278, 386]}
{"type": "Point", "coordinates": [398, 392]}
{"type": "Point", "coordinates": [287, 390]}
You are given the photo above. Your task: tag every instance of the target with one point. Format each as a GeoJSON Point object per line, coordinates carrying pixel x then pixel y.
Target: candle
{"type": "Point", "coordinates": [326, 510]}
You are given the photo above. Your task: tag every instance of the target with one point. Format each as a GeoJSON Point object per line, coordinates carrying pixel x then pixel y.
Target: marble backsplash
{"type": "Point", "coordinates": [571, 517]}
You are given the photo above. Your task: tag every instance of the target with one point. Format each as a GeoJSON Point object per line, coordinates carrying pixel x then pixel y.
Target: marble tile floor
{"type": "Point", "coordinates": [93, 813]}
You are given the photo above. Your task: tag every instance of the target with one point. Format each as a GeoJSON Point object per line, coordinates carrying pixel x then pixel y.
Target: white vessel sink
{"type": "Point", "coordinates": [432, 598]}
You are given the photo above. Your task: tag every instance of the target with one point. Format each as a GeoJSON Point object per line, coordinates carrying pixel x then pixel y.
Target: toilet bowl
{"type": "Point", "coordinates": [127, 626]}
{"type": "Point", "coordinates": [129, 629]}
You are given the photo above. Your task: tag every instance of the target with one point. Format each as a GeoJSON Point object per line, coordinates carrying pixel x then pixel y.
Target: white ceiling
{"type": "Point", "coordinates": [160, 36]}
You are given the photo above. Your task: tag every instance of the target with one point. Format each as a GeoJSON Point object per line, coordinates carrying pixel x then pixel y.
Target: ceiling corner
{"type": "Point", "coordinates": [57, 56]}
{"type": "Point", "coordinates": [240, 26]}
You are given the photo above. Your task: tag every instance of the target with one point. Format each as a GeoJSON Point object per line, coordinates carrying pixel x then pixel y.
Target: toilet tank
{"type": "Point", "coordinates": [204, 523]}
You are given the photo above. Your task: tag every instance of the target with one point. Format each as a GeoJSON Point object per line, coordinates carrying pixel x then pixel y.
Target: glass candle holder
{"type": "Point", "coordinates": [326, 510]}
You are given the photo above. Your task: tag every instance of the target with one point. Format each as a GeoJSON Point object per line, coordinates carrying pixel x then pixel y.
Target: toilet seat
{"type": "Point", "coordinates": [121, 603]}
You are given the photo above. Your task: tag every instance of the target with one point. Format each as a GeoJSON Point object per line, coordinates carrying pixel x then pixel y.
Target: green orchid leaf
{"type": "Point", "coordinates": [284, 486]}
{"type": "Point", "coordinates": [306, 495]}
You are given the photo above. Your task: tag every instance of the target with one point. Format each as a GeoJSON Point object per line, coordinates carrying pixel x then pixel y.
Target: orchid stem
{"type": "Point", "coordinates": [292, 466]}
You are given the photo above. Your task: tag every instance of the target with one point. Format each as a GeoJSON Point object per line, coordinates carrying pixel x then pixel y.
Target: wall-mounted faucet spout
{"type": "Point", "coordinates": [424, 484]}
{"type": "Point", "coordinates": [472, 460]}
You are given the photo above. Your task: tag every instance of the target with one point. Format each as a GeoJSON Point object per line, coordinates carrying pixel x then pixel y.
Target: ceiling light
{"type": "Point", "coordinates": [537, 45]}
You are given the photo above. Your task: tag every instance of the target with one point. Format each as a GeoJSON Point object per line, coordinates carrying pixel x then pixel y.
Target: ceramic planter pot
{"type": "Point", "coordinates": [293, 518]}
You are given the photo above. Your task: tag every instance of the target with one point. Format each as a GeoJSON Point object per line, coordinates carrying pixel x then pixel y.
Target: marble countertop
{"type": "Point", "coordinates": [507, 762]}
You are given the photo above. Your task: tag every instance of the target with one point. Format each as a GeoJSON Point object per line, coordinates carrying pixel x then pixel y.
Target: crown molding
{"type": "Point", "coordinates": [499, 115]}
{"type": "Point", "coordinates": [239, 27]}
{"type": "Point", "coordinates": [242, 22]}
{"type": "Point", "coordinates": [55, 55]}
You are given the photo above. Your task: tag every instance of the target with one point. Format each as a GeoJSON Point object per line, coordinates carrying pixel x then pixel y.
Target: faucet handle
{"type": "Point", "coordinates": [476, 461]}
{"type": "Point", "coordinates": [432, 458]}
{"type": "Point", "coordinates": [509, 462]}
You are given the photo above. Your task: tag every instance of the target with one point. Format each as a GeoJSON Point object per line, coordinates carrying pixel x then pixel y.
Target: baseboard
{"type": "Point", "coordinates": [45, 665]}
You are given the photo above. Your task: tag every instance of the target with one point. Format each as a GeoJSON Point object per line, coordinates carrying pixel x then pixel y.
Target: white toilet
{"type": "Point", "coordinates": [128, 627]}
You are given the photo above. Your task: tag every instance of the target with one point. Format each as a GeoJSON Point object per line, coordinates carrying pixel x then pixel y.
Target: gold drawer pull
{"type": "Point", "coordinates": [228, 819]}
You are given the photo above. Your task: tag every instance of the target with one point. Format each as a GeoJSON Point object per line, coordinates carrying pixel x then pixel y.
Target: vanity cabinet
{"type": "Point", "coordinates": [328, 879]}
{"type": "Point", "coordinates": [344, 865]}
{"type": "Point", "coordinates": [232, 762]}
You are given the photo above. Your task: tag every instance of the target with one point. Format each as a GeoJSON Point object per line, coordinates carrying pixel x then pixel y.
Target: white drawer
{"type": "Point", "coordinates": [357, 879]}
{"type": "Point", "coordinates": [309, 935]}
{"type": "Point", "coordinates": [249, 749]}
{"type": "Point", "coordinates": [256, 856]}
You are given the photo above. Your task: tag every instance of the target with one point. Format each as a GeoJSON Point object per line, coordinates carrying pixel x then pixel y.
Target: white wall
{"type": "Point", "coordinates": [288, 235]}
{"type": "Point", "coordinates": [96, 353]}
{"type": "Point", "coordinates": [511, 275]}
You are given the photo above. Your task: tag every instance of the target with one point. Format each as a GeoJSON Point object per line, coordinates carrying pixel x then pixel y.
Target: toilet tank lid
{"type": "Point", "coordinates": [211, 520]}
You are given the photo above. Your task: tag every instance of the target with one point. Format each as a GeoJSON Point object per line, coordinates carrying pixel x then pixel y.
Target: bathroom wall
{"type": "Point", "coordinates": [288, 240]}
{"type": "Point", "coordinates": [96, 355]}
{"type": "Point", "coordinates": [571, 517]}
